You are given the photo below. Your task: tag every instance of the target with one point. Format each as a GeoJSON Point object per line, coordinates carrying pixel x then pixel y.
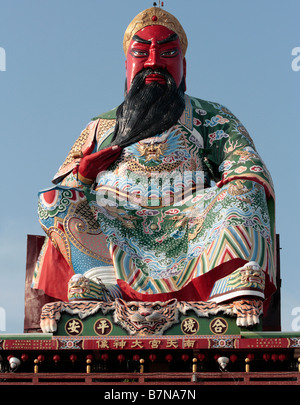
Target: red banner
{"type": "Point", "coordinates": [149, 343]}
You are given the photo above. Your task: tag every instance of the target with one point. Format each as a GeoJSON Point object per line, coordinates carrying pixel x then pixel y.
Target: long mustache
{"type": "Point", "coordinates": [148, 109]}
{"type": "Point", "coordinates": [147, 72]}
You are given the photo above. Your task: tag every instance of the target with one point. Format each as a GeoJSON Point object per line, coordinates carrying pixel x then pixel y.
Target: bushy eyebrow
{"type": "Point", "coordinates": [141, 40]}
{"type": "Point", "coordinates": [171, 38]}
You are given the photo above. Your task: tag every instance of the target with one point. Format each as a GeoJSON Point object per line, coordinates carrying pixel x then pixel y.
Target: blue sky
{"type": "Point", "coordinates": [65, 64]}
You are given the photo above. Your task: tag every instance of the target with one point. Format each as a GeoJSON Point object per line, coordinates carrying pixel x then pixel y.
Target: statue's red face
{"type": "Point", "coordinates": [155, 47]}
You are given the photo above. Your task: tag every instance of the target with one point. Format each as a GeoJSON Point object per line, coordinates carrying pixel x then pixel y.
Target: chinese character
{"type": "Point", "coordinates": [137, 343]}
{"type": "Point", "coordinates": [188, 343]}
{"type": "Point", "coordinates": [103, 344]}
{"type": "Point", "coordinates": [218, 326]}
{"type": "Point", "coordinates": [190, 326]}
{"type": "Point", "coordinates": [103, 326]}
{"type": "Point", "coordinates": [154, 344]}
{"type": "Point", "coordinates": [74, 327]}
{"type": "Point", "coordinates": [120, 343]}
{"type": "Point", "coordinates": [172, 343]}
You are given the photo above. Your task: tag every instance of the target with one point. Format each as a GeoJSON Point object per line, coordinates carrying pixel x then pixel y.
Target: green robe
{"type": "Point", "coordinates": [183, 210]}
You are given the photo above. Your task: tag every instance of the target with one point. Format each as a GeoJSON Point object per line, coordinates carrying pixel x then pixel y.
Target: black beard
{"type": "Point", "coordinates": [148, 109]}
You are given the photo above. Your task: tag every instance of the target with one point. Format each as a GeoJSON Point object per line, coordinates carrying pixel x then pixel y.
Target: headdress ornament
{"type": "Point", "coordinates": [154, 16]}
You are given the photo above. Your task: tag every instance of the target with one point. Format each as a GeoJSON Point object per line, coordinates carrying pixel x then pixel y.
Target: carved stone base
{"type": "Point", "coordinates": [149, 318]}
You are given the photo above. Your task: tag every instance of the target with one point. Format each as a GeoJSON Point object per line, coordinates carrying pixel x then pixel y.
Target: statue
{"type": "Point", "coordinates": [163, 198]}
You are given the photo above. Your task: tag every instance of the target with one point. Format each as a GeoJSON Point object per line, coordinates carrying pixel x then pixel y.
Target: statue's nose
{"type": "Point", "coordinates": [154, 60]}
{"type": "Point", "coordinates": [145, 313]}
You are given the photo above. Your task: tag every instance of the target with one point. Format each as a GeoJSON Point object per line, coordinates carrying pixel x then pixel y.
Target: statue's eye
{"type": "Point", "coordinates": [133, 308]}
{"type": "Point", "coordinates": [138, 53]}
{"type": "Point", "coordinates": [156, 307]}
{"type": "Point", "coordinates": [170, 54]}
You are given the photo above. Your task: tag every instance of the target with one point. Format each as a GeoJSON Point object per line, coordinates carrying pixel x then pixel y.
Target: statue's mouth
{"type": "Point", "coordinates": [77, 290]}
{"type": "Point", "coordinates": [155, 77]}
{"type": "Point", "coordinates": [255, 279]}
{"type": "Point", "coordinates": [147, 325]}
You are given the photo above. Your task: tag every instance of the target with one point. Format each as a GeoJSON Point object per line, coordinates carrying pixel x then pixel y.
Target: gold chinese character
{"type": "Point", "coordinates": [103, 344]}
{"type": "Point", "coordinates": [188, 343]}
{"type": "Point", "coordinates": [154, 344]}
{"type": "Point", "coordinates": [102, 325]}
{"type": "Point", "coordinates": [74, 327]}
{"type": "Point", "coordinates": [137, 343]}
{"type": "Point", "coordinates": [172, 343]}
{"type": "Point", "coordinates": [119, 343]}
{"type": "Point", "coordinates": [189, 326]}
{"type": "Point", "coordinates": [218, 326]}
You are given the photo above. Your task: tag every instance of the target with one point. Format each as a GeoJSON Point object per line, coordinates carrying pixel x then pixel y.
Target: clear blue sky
{"type": "Point", "coordinates": [65, 64]}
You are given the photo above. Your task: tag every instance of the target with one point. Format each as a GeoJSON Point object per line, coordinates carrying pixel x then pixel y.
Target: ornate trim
{"type": "Point", "coordinates": [155, 16]}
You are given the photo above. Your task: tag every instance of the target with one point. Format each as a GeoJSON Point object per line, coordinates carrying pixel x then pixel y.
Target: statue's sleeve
{"type": "Point", "coordinates": [94, 134]}
{"type": "Point", "coordinates": [236, 160]}
{"type": "Point", "coordinates": [233, 152]}
{"type": "Point", "coordinates": [83, 142]}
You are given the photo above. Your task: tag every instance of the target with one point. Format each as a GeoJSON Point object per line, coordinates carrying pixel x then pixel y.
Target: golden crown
{"type": "Point", "coordinates": [154, 16]}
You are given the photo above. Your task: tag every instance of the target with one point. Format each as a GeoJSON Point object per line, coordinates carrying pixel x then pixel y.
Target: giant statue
{"type": "Point", "coordinates": [162, 200]}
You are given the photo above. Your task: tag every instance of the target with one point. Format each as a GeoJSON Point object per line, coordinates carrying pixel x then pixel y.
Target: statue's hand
{"type": "Point", "coordinates": [92, 164]}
